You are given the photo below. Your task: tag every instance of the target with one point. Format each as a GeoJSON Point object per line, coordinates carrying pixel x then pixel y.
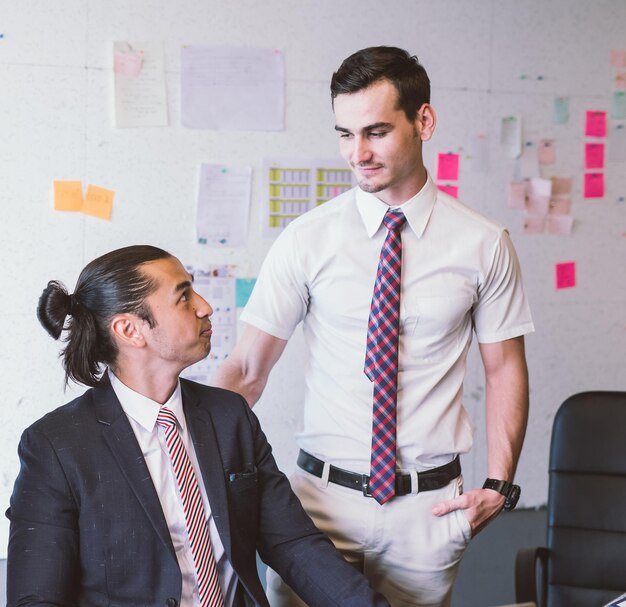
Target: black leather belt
{"type": "Point", "coordinates": [436, 478]}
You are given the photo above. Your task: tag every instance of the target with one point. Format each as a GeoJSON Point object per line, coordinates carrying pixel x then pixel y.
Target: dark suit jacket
{"type": "Point", "coordinates": [87, 527]}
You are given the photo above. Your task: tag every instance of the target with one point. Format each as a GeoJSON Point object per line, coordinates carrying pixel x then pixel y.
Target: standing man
{"type": "Point", "coordinates": [149, 489]}
{"type": "Point", "coordinates": [384, 423]}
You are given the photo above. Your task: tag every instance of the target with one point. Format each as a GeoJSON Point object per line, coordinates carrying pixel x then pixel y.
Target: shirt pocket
{"type": "Point", "coordinates": [434, 325]}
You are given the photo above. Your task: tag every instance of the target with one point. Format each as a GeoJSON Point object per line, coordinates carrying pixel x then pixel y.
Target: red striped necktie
{"type": "Point", "coordinates": [195, 515]}
{"type": "Point", "coordinates": [381, 359]}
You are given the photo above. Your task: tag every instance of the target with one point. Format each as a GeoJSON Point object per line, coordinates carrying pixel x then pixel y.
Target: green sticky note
{"type": "Point", "coordinates": [618, 107]}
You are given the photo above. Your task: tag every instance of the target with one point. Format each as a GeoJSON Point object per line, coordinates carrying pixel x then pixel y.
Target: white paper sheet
{"type": "Point", "coordinates": [297, 185]}
{"type": "Point", "coordinates": [140, 93]}
{"type": "Point", "coordinates": [223, 205]}
{"type": "Point", "coordinates": [511, 135]}
{"type": "Point", "coordinates": [217, 285]}
{"type": "Point", "coordinates": [232, 88]}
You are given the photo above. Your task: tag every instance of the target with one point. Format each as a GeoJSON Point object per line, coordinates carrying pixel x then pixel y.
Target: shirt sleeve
{"type": "Point", "coordinates": [502, 310]}
{"type": "Point", "coordinates": [280, 297]}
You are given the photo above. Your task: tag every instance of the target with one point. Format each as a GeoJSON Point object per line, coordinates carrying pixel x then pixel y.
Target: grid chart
{"type": "Point", "coordinates": [290, 194]}
{"type": "Point", "coordinates": [331, 183]}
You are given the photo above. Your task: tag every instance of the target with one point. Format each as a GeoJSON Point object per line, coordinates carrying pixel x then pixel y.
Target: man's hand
{"type": "Point", "coordinates": [481, 506]}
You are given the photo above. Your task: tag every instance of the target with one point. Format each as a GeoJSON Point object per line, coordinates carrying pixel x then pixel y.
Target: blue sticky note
{"type": "Point", "coordinates": [243, 289]}
{"type": "Point", "coordinates": [561, 110]}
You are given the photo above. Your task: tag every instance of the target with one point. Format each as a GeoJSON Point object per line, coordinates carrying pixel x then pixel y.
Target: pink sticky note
{"type": "Point", "coordinates": [517, 195]}
{"type": "Point", "coordinates": [128, 64]}
{"type": "Point", "coordinates": [537, 205]}
{"type": "Point", "coordinates": [595, 124]}
{"type": "Point", "coordinates": [534, 224]}
{"type": "Point", "coordinates": [594, 155]}
{"type": "Point", "coordinates": [546, 151]}
{"type": "Point", "coordinates": [448, 167]}
{"type": "Point", "coordinates": [565, 275]}
{"type": "Point", "coordinates": [560, 205]}
{"type": "Point", "coordinates": [594, 185]}
{"type": "Point", "coordinates": [618, 57]}
{"type": "Point", "coordinates": [560, 224]}
{"type": "Point", "coordinates": [453, 190]}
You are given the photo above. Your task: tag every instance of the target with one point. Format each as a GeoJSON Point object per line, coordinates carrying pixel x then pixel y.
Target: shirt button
{"type": "Point", "coordinates": [171, 603]}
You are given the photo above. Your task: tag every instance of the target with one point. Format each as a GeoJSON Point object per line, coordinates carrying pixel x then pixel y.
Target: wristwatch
{"type": "Point", "coordinates": [510, 491]}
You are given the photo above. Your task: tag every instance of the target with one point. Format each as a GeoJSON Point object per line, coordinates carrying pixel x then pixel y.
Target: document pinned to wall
{"type": "Point", "coordinates": [223, 205]}
{"type": "Point", "coordinates": [297, 185]}
{"type": "Point", "coordinates": [140, 93]}
{"type": "Point", "coordinates": [216, 283]}
{"type": "Point", "coordinates": [511, 135]}
{"type": "Point", "coordinates": [231, 88]}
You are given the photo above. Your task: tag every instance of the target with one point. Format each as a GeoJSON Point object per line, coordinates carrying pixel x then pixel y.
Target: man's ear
{"type": "Point", "coordinates": [425, 121]}
{"type": "Point", "coordinates": [126, 329]}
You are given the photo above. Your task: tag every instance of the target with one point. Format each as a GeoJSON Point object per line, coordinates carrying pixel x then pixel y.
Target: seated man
{"type": "Point", "coordinates": [149, 489]}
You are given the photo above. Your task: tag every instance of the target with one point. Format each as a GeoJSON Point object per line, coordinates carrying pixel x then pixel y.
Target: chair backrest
{"type": "Point", "coordinates": [587, 501]}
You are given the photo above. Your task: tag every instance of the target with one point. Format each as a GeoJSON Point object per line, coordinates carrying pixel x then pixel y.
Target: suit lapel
{"type": "Point", "coordinates": [204, 439]}
{"type": "Point", "coordinates": [120, 437]}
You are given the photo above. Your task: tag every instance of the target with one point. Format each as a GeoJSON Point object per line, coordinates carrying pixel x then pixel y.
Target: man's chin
{"type": "Point", "coordinates": [372, 188]}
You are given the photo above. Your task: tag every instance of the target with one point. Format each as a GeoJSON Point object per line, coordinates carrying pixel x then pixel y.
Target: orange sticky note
{"type": "Point", "coordinates": [98, 202]}
{"type": "Point", "coordinates": [68, 195]}
{"type": "Point", "coordinates": [565, 275]}
{"type": "Point", "coordinates": [594, 185]}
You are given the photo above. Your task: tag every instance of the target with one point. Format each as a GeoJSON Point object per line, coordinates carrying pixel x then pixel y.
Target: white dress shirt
{"type": "Point", "coordinates": [142, 414]}
{"type": "Point", "coordinates": [460, 274]}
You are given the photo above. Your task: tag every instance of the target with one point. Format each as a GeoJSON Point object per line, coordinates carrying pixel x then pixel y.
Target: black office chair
{"type": "Point", "coordinates": [584, 563]}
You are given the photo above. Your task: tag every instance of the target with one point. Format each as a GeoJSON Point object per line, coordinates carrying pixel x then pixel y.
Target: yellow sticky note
{"type": "Point", "coordinates": [68, 196]}
{"type": "Point", "coordinates": [98, 202]}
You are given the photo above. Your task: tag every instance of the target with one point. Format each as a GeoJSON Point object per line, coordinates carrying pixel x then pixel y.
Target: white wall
{"type": "Point", "coordinates": [56, 122]}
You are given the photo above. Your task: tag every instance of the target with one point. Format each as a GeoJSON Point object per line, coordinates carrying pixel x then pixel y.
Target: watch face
{"type": "Point", "coordinates": [512, 498]}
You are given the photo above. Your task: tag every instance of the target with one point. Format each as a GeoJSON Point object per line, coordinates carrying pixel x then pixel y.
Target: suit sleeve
{"type": "Point", "coordinates": [43, 561]}
{"type": "Point", "coordinates": [289, 542]}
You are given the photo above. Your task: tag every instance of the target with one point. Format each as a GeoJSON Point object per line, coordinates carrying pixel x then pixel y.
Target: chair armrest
{"type": "Point", "coordinates": [526, 587]}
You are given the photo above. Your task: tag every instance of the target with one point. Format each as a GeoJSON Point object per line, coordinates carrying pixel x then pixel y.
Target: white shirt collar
{"type": "Point", "coordinates": [417, 210]}
{"type": "Point", "coordinates": [143, 409]}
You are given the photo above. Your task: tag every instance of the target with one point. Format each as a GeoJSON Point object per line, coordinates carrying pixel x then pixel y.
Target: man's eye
{"type": "Point", "coordinates": [378, 134]}
{"type": "Point", "coordinates": [184, 297]}
{"type": "Point", "coordinates": [345, 135]}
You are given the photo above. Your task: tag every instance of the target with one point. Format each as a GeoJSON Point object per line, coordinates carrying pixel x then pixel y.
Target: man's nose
{"type": "Point", "coordinates": [361, 151]}
{"type": "Point", "coordinates": [203, 307]}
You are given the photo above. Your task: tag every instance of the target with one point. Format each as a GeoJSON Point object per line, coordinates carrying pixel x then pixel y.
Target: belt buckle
{"type": "Point", "coordinates": [365, 485]}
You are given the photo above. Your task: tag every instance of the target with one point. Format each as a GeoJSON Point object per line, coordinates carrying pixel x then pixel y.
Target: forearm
{"type": "Point", "coordinates": [232, 376]}
{"type": "Point", "coordinates": [247, 368]}
{"type": "Point", "coordinates": [506, 413]}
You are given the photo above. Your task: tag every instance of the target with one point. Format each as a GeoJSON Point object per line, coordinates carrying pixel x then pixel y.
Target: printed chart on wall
{"type": "Point", "coordinates": [217, 285]}
{"type": "Point", "coordinates": [297, 185]}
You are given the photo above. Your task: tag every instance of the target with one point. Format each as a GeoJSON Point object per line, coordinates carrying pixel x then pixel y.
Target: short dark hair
{"type": "Point", "coordinates": [109, 285]}
{"type": "Point", "coordinates": [369, 65]}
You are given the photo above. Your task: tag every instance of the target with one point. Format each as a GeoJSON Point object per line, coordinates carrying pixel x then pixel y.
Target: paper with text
{"type": "Point", "coordinates": [223, 205]}
{"type": "Point", "coordinates": [232, 88]}
{"type": "Point", "coordinates": [216, 284]}
{"type": "Point", "coordinates": [140, 93]}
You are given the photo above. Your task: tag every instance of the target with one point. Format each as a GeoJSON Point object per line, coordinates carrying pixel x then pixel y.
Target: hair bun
{"type": "Point", "coordinates": [55, 303]}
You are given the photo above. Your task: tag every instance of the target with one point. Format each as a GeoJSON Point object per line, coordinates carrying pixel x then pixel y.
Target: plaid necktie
{"type": "Point", "coordinates": [195, 515]}
{"type": "Point", "coordinates": [381, 359]}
